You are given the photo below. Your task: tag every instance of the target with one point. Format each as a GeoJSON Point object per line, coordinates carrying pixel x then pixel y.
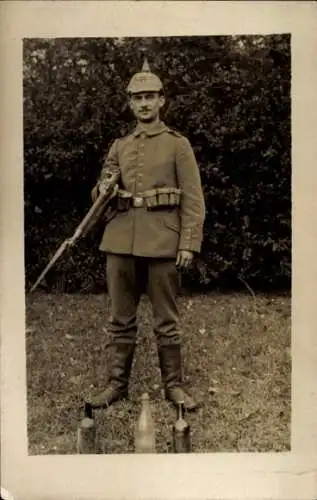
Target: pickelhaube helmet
{"type": "Point", "coordinates": [144, 81]}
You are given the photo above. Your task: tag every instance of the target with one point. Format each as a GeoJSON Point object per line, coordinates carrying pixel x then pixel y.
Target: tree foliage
{"type": "Point", "coordinates": [230, 95]}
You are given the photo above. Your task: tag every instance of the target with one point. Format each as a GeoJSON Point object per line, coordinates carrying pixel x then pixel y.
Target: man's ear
{"type": "Point", "coordinates": [162, 101]}
{"type": "Point", "coordinates": [129, 102]}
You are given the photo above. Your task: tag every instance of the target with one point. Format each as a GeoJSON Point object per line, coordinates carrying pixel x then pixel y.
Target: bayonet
{"type": "Point", "coordinates": [97, 210]}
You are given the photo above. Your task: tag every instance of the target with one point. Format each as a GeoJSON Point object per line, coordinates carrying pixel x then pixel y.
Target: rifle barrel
{"type": "Point", "coordinates": [82, 229]}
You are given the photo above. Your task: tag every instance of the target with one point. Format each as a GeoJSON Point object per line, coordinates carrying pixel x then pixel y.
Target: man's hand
{"type": "Point", "coordinates": [184, 259]}
{"type": "Point", "coordinates": [104, 186]}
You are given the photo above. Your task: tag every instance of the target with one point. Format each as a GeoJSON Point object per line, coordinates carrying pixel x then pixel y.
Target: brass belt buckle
{"type": "Point", "coordinates": [138, 201]}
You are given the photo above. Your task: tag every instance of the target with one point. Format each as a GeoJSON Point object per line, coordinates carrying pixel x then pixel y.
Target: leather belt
{"type": "Point", "coordinates": [137, 201]}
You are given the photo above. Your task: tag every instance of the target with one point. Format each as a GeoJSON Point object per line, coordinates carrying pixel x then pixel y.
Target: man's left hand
{"type": "Point", "coordinates": [184, 259]}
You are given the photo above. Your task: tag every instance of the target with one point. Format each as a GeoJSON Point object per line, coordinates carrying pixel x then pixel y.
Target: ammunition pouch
{"type": "Point", "coordinates": [151, 199]}
{"type": "Point", "coordinates": [124, 200]}
{"type": "Point", "coordinates": [162, 197]}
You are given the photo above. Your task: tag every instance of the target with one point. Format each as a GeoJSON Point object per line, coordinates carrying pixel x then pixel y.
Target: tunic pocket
{"type": "Point", "coordinates": [172, 225]}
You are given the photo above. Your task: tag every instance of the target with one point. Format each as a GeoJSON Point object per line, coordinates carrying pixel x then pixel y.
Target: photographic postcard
{"type": "Point", "coordinates": [249, 357]}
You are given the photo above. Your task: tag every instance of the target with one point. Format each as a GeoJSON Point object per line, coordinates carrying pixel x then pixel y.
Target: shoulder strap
{"type": "Point", "coordinates": [174, 132]}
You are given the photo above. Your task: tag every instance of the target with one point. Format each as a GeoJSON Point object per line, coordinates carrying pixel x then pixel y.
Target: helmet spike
{"type": "Point", "coordinates": [145, 80]}
{"type": "Point", "coordinates": [146, 66]}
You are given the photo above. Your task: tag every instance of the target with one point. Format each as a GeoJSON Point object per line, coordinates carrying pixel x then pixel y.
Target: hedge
{"type": "Point", "coordinates": [230, 95]}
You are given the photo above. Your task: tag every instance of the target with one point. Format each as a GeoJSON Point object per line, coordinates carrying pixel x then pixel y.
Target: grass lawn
{"type": "Point", "coordinates": [237, 353]}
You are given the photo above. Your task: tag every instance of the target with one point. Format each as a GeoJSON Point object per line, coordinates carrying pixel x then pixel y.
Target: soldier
{"type": "Point", "coordinates": [156, 232]}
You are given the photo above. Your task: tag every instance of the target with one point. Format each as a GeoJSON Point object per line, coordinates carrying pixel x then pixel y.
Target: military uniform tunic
{"type": "Point", "coordinates": [151, 163]}
{"type": "Point", "coordinates": [160, 211]}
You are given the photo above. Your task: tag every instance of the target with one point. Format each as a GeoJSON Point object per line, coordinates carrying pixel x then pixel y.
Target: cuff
{"type": "Point", "coordinates": [191, 239]}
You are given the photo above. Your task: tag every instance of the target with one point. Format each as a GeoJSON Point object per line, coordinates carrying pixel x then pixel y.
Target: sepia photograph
{"type": "Point", "coordinates": [157, 184]}
{"type": "Point", "coordinates": [158, 241]}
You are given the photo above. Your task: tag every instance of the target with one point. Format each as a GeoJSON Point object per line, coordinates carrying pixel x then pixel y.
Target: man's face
{"type": "Point", "coordinates": [146, 105]}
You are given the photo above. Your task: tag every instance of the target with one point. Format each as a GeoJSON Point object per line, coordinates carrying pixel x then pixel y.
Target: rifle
{"type": "Point", "coordinates": [97, 210]}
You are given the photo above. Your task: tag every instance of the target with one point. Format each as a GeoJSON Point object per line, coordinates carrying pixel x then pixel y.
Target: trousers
{"type": "Point", "coordinates": [128, 277]}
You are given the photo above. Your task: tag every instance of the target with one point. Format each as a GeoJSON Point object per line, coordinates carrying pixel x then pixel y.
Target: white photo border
{"type": "Point", "coordinates": [221, 475]}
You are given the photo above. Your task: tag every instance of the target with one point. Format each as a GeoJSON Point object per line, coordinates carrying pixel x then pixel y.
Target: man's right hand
{"type": "Point", "coordinates": [102, 188]}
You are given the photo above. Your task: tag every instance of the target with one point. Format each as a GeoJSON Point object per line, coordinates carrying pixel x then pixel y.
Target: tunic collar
{"type": "Point", "coordinates": [155, 129]}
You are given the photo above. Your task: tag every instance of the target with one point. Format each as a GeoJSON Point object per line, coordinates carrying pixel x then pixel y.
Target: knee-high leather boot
{"type": "Point", "coordinates": [120, 364]}
{"type": "Point", "coordinates": [170, 360]}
